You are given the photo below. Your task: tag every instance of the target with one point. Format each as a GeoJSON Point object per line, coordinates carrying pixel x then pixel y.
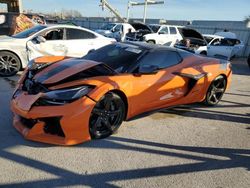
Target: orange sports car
{"type": "Point", "coordinates": [67, 101]}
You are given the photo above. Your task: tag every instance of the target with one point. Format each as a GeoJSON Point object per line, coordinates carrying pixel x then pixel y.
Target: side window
{"type": "Point", "coordinates": [73, 34]}
{"type": "Point", "coordinates": [227, 42]}
{"type": "Point", "coordinates": [55, 34]}
{"type": "Point", "coordinates": [172, 30]}
{"type": "Point", "coordinates": [164, 30]}
{"type": "Point", "coordinates": [117, 28]}
{"type": "Point", "coordinates": [162, 59]}
{"type": "Point", "coordinates": [215, 42]}
{"type": "Point", "coordinates": [233, 41]}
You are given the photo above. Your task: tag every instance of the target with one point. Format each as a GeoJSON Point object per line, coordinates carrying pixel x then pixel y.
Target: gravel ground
{"type": "Point", "coordinates": [189, 146]}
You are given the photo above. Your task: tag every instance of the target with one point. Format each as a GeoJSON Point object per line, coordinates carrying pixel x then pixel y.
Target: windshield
{"type": "Point", "coordinates": [108, 26]}
{"type": "Point", "coordinates": [208, 38]}
{"type": "Point", "coordinates": [29, 32]}
{"type": "Point", "coordinates": [120, 57]}
{"type": "Point", "coordinates": [155, 28]}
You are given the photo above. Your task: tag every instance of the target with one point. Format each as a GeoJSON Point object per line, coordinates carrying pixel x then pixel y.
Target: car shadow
{"type": "Point", "coordinates": [212, 159]}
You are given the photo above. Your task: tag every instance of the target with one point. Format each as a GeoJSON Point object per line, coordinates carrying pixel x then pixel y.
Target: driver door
{"type": "Point", "coordinates": [53, 44]}
{"type": "Point", "coordinates": [157, 89]}
{"type": "Point", "coordinates": [163, 35]}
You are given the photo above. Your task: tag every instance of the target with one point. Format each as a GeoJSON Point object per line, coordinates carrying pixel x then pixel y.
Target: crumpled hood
{"type": "Point", "coordinates": [63, 69]}
{"type": "Point", "coordinates": [141, 26]}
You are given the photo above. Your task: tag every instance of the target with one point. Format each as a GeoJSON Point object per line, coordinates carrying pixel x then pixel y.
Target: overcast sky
{"type": "Point", "coordinates": [172, 9]}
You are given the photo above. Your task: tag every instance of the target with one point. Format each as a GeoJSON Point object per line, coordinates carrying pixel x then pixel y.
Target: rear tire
{"type": "Point", "coordinates": [215, 91]}
{"type": "Point", "coordinates": [9, 64]}
{"type": "Point", "coordinates": [107, 116]}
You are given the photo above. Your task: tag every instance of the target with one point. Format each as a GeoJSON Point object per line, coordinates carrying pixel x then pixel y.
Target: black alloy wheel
{"type": "Point", "coordinates": [9, 64]}
{"type": "Point", "coordinates": [216, 91]}
{"type": "Point", "coordinates": [107, 116]}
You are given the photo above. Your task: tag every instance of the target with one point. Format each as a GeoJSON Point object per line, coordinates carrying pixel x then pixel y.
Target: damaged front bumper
{"type": "Point", "coordinates": [60, 124]}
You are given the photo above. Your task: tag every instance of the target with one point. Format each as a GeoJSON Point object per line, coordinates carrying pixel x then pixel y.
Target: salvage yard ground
{"type": "Point", "coordinates": [187, 146]}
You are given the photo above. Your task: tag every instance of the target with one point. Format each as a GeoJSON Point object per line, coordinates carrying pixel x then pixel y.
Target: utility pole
{"type": "Point", "coordinates": [20, 4]}
{"type": "Point", "coordinates": [145, 11]}
{"type": "Point", "coordinates": [104, 3]}
{"type": "Point", "coordinates": [145, 4]}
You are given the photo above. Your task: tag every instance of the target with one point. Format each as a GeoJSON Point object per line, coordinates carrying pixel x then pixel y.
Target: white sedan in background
{"type": "Point", "coordinates": [223, 46]}
{"type": "Point", "coordinates": [45, 40]}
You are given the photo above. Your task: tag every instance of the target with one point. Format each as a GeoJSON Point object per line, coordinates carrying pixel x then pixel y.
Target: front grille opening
{"type": "Point", "coordinates": [53, 126]}
{"type": "Point", "coordinates": [29, 123]}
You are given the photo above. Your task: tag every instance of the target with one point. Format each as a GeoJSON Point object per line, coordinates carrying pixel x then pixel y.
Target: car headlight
{"type": "Point", "coordinates": [62, 96]}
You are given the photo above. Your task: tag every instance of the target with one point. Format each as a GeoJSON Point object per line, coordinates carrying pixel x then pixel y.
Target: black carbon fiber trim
{"type": "Point", "coordinates": [58, 69]}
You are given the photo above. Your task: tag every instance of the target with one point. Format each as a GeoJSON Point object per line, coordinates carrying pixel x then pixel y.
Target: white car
{"type": "Point", "coordinates": [117, 31]}
{"type": "Point", "coordinates": [171, 35]}
{"type": "Point", "coordinates": [226, 46]}
{"type": "Point", "coordinates": [45, 40]}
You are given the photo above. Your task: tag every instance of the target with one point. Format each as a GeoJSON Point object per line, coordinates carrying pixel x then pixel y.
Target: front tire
{"type": "Point", "coordinates": [203, 53]}
{"type": "Point", "coordinates": [151, 42]}
{"type": "Point", "coordinates": [107, 116]}
{"type": "Point", "coordinates": [9, 64]}
{"type": "Point", "coordinates": [215, 91]}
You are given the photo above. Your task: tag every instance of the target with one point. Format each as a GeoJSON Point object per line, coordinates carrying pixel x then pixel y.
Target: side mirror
{"type": "Point", "coordinates": [40, 39]}
{"type": "Point", "coordinates": [161, 33]}
{"type": "Point", "coordinates": [148, 69]}
{"type": "Point", "coordinates": [112, 30]}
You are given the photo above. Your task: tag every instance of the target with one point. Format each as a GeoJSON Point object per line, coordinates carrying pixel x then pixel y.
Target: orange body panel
{"type": "Point", "coordinates": [143, 93]}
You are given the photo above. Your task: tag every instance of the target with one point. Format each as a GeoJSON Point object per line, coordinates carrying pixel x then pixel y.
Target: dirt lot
{"type": "Point", "coordinates": [189, 146]}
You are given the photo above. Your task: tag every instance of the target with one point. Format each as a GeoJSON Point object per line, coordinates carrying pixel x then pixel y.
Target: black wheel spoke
{"type": "Point", "coordinates": [107, 103]}
{"type": "Point", "coordinates": [98, 123]}
{"type": "Point", "coordinates": [219, 90]}
{"type": "Point", "coordinates": [97, 111]}
{"type": "Point", "coordinates": [114, 113]}
{"type": "Point", "coordinates": [220, 82]}
{"type": "Point", "coordinates": [108, 124]}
